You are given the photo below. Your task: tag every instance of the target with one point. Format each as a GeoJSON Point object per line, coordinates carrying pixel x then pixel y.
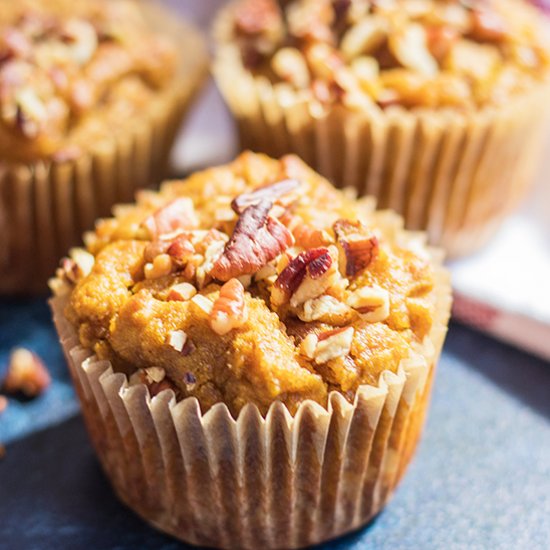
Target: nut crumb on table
{"type": "Point", "coordinates": [27, 374]}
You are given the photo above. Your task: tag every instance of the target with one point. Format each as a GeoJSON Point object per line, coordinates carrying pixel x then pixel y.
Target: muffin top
{"type": "Point", "coordinates": [249, 283]}
{"type": "Point", "coordinates": [73, 70]}
{"type": "Point", "coordinates": [375, 54]}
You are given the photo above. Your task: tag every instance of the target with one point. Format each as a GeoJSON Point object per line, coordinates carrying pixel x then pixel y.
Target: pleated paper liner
{"type": "Point", "coordinates": [45, 207]}
{"type": "Point", "coordinates": [255, 482]}
{"type": "Point", "coordinates": [456, 176]}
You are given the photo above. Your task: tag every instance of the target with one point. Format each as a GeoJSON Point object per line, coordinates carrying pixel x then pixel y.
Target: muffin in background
{"type": "Point", "coordinates": [92, 93]}
{"type": "Point", "coordinates": [434, 107]}
{"type": "Point", "coordinates": [254, 352]}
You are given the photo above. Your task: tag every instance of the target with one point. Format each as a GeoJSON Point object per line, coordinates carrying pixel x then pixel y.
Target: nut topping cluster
{"type": "Point", "coordinates": [374, 55]}
{"type": "Point", "coordinates": [61, 59]}
{"type": "Point", "coordinates": [294, 281]}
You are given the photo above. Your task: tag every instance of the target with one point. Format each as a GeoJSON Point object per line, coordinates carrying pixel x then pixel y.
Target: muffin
{"type": "Point", "coordinates": [435, 107]}
{"type": "Point", "coordinates": [91, 95]}
{"type": "Point", "coordinates": [253, 351]}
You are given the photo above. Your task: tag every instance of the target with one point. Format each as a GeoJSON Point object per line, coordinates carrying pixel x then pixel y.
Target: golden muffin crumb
{"type": "Point", "coordinates": [250, 283]}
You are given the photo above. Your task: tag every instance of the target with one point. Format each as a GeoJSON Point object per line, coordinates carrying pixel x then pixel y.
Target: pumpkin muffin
{"type": "Point", "coordinates": [256, 314]}
{"type": "Point", "coordinates": [436, 107]}
{"type": "Point", "coordinates": [91, 94]}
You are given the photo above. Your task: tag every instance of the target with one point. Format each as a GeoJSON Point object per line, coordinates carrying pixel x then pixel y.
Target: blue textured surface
{"type": "Point", "coordinates": [481, 479]}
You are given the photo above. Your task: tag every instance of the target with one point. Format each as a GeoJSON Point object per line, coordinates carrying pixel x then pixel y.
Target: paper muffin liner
{"type": "Point", "coordinates": [278, 481]}
{"type": "Point", "coordinates": [46, 206]}
{"type": "Point", "coordinates": [454, 175]}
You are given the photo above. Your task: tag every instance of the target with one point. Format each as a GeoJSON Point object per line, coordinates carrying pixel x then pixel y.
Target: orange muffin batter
{"type": "Point", "coordinates": [249, 283]}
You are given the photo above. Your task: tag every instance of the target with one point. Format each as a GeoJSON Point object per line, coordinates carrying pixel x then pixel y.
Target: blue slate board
{"type": "Point", "coordinates": [481, 479]}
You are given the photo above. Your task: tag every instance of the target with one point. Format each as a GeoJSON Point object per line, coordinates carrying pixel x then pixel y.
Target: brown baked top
{"type": "Point", "coordinates": [374, 54]}
{"type": "Point", "coordinates": [72, 71]}
{"type": "Point", "coordinates": [249, 283]}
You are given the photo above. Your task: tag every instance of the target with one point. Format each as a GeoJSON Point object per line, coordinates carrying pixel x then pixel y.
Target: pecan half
{"type": "Point", "coordinates": [357, 247]}
{"type": "Point", "coordinates": [307, 276]}
{"type": "Point", "coordinates": [257, 239]}
{"type": "Point", "coordinates": [177, 214]}
{"type": "Point", "coordinates": [27, 374]}
{"type": "Point", "coordinates": [269, 192]}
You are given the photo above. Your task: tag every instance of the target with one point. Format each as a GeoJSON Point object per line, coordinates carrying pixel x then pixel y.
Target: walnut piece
{"type": "Point", "coordinates": [229, 310]}
{"type": "Point", "coordinates": [27, 373]}
{"type": "Point", "coordinates": [305, 277]}
{"type": "Point", "coordinates": [177, 214]}
{"type": "Point", "coordinates": [357, 247]}
{"type": "Point", "coordinates": [257, 239]}
{"type": "Point", "coordinates": [270, 192]}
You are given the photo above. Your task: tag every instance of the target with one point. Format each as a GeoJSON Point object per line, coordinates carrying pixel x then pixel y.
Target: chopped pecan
{"type": "Point", "coordinates": [79, 264]}
{"type": "Point", "coordinates": [410, 48]}
{"type": "Point", "coordinates": [257, 239]}
{"type": "Point", "coordinates": [181, 292]}
{"type": "Point", "coordinates": [270, 192]}
{"type": "Point", "coordinates": [180, 250]}
{"type": "Point", "coordinates": [177, 214]}
{"type": "Point", "coordinates": [155, 374]}
{"type": "Point", "coordinates": [26, 373]}
{"type": "Point", "coordinates": [306, 235]}
{"type": "Point", "coordinates": [440, 40]}
{"type": "Point", "coordinates": [487, 26]}
{"type": "Point", "coordinates": [308, 345]}
{"type": "Point", "coordinates": [307, 276]}
{"type": "Point", "coordinates": [154, 378]}
{"type": "Point", "coordinates": [179, 340]}
{"type": "Point", "coordinates": [333, 343]}
{"type": "Point", "coordinates": [356, 246]}
{"type": "Point", "coordinates": [229, 310]}
{"type": "Point", "coordinates": [160, 267]}
{"type": "Point", "coordinates": [289, 64]}
{"type": "Point", "coordinates": [373, 303]}
{"type": "Point", "coordinates": [256, 16]}
{"type": "Point", "coordinates": [204, 305]}
{"type": "Point", "coordinates": [326, 309]}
